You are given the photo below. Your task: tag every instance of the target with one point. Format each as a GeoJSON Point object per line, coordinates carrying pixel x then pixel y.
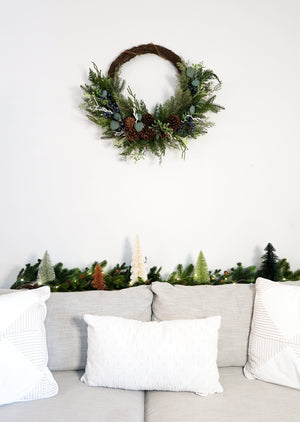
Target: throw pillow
{"type": "Point", "coordinates": [23, 349]}
{"type": "Point", "coordinates": [168, 355]}
{"type": "Point", "coordinates": [274, 344]}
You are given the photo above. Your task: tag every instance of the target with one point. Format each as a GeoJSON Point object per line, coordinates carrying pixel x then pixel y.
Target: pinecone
{"type": "Point", "coordinates": [147, 134]}
{"type": "Point", "coordinates": [148, 119]}
{"type": "Point", "coordinates": [132, 135]}
{"type": "Point", "coordinates": [129, 123]}
{"type": "Point", "coordinates": [174, 122]}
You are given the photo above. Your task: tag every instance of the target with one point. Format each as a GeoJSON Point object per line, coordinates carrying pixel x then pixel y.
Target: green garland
{"type": "Point", "coordinates": [118, 277]}
{"type": "Point", "coordinates": [134, 130]}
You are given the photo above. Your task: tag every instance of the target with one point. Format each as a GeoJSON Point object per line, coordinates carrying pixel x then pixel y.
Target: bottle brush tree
{"type": "Point", "coordinates": [46, 272]}
{"type": "Point", "coordinates": [138, 267]}
{"type": "Point", "coordinates": [98, 278]}
{"type": "Point", "coordinates": [270, 264]}
{"type": "Point", "coordinates": [201, 273]}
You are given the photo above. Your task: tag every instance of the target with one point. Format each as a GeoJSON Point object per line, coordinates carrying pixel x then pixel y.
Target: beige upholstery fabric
{"type": "Point", "coordinates": [232, 301]}
{"type": "Point", "coordinates": [76, 402]}
{"type": "Point", "coordinates": [67, 331]}
{"type": "Point", "coordinates": [241, 401]}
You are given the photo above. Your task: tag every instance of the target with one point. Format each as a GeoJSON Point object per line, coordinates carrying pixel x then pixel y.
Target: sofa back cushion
{"type": "Point", "coordinates": [233, 302]}
{"type": "Point", "coordinates": [66, 330]}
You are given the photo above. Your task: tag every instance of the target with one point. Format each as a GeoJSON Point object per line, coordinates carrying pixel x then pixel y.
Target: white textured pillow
{"type": "Point", "coordinates": [274, 344]}
{"type": "Point", "coordinates": [23, 349]}
{"type": "Point", "coordinates": [168, 355]}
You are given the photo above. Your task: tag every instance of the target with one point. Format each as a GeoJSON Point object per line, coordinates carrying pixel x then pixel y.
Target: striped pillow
{"type": "Point", "coordinates": [23, 349]}
{"type": "Point", "coordinates": [274, 344]}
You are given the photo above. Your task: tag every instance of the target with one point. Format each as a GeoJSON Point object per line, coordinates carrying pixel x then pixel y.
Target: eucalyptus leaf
{"type": "Point", "coordinates": [114, 125]}
{"type": "Point", "coordinates": [117, 116]}
{"type": "Point", "coordinates": [104, 93]}
{"type": "Point", "coordinates": [139, 126]}
{"type": "Point", "coordinates": [192, 109]}
{"type": "Point", "coordinates": [190, 72]}
{"type": "Point", "coordinates": [139, 116]}
{"type": "Point", "coordinates": [195, 82]}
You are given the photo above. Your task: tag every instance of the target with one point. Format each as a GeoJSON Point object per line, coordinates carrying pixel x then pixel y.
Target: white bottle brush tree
{"type": "Point", "coordinates": [46, 272]}
{"type": "Point", "coordinates": [138, 266]}
{"type": "Point", "coordinates": [201, 273]}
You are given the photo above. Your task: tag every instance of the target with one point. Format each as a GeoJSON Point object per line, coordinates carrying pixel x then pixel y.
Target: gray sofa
{"type": "Point", "coordinates": [242, 399]}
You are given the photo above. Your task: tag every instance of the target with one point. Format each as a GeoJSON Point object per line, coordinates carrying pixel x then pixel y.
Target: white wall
{"type": "Point", "coordinates": [64, 190]}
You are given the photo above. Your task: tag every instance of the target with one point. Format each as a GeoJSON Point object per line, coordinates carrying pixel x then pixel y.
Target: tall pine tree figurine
{"type": "Point", "coordinates": [138, 267]}
{"type": "Point", "coordinates": [98, 278]}
{"type": "Point", "coordinates": [269, 267]}
{"type": "Point", "coordinates": [201, 273]}
{"type": "Point", "coordinates": [46, 272]}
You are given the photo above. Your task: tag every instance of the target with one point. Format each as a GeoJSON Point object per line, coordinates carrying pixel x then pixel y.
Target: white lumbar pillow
{"type": "Point", "coordinates": [274, 344]}
{"type": "Point", "coordinates": [168, 355]}
{"type": "Point", "coordinates": [23, 350]}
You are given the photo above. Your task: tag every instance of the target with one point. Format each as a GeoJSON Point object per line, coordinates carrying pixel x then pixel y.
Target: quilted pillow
{"type": "Point", "coordinates": [274, 344]}
{"type": "Point", "coordinates": [23, 349]}
{"type": "Point", "coordinates": [168, 355]}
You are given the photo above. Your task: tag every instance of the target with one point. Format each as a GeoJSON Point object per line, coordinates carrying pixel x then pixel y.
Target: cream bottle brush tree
{"type": "Point", "coordinates": [138, 266]}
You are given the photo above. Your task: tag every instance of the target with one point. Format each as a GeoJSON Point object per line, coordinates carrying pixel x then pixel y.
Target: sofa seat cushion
{"type": "Point", "coordinates": [242, 400]}
{"type": "Point", "coordinates": [76, 402]}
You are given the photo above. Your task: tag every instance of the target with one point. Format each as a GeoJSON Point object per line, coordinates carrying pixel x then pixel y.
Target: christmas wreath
{"type": "Point", "coordinates": [127, 120]}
